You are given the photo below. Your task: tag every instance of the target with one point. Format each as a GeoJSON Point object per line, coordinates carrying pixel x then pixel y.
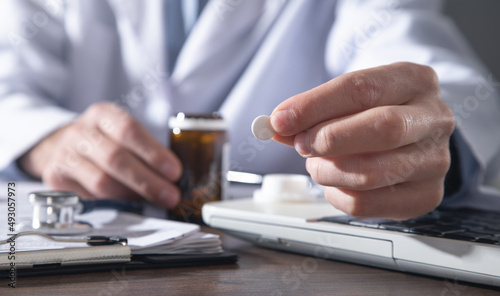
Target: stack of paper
{"type": "Point", "coordinates": [145, 235]}
{"type": "Point", "coordinates": [153, 236]}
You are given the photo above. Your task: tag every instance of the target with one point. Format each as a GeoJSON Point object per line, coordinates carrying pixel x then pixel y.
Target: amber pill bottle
{"type": "Point", "coordinates": [200, 141]}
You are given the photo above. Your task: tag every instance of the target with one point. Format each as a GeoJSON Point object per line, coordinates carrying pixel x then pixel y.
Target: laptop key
{"type": "Point", "coordinates": [370, 223]}
{"type": "Point", "coordinates": [487, 240]}
{"type": "Point", "coordinates": [338, 219]}
{"type": "Point", "coordinates": [395, 227]}
{"type": "Point", "coordinates": [405, 226]}
{"type": "Point", "coordinates": [468, 236]}
{"type": "Point", "coordinates": [439, 229]}
{"type": "Point", "coordinates": [488, 232]}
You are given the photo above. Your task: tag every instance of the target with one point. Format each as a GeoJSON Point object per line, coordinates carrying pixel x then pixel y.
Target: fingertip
{"type": "Point", "coordinates": [282, 122]}
{"type": "Point", "coordinates": [169, 198]}
{"type": "Point", "coordinates": [302, 144]}
{"type": "Point", "coordinates": [172, 170]}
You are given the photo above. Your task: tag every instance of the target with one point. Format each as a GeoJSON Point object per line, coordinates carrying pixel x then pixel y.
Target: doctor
{"type": "Point", "coordinates": [366, 92]}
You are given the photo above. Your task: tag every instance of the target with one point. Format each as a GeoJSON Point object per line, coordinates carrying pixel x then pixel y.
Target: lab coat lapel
{"type": "Point", "coordinates": [218, 49]}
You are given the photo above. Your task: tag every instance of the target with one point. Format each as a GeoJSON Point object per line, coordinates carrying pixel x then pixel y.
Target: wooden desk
{"type": "Point", "coordinates": [259, 272]}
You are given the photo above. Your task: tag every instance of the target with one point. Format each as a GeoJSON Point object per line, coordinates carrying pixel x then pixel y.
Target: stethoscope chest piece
{"type": "Point", "coordinates": [54, 213]}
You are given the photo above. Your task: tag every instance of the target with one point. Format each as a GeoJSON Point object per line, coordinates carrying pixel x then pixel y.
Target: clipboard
{"type": "Point", "coordinates": [137, 262]}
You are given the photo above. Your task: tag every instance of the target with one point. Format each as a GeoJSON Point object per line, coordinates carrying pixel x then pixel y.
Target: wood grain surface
{"type": "Point", "coordinates": [258, 272]}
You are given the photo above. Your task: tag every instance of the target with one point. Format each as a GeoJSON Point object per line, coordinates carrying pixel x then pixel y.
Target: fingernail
{"type": "Point", "coordinates": [169, 198]}
{"type": "Point", "coordinates": [303, 144]}
{"type": "Point", "coordinates": [282, 121]}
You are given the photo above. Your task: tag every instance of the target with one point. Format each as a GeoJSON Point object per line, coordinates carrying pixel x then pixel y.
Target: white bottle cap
{"type": "Point", "coordinates": [262, 128]}
{"type": "Point", "coordinates": [284, 188]}
{"type": "Point", "coordinates": [200, 122]}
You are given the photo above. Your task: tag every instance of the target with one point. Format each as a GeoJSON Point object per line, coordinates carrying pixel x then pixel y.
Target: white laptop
{"type": "Point", "coordinates": [463, 246]}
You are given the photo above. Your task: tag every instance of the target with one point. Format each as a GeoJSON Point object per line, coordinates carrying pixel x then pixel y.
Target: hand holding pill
{"type": "Point", "coordinates": [376, 138]}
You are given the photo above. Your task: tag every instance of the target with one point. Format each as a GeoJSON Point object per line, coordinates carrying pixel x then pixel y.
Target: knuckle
{"type": "Point", "coordinates": [362, 177]}
{"type": "Point", "coordinates": [361, 181]}
{"type": "Point", "coordinates": [313, 169]}
{"type": "Point", "coordinates": [98, 108]}
{"type": "Point", "coordinates": [443, 161]}
{"type": "Point", "coordinates": [126, 129]}
{"type": "Point", "coordinates": [52, 177]}
{"type": "Point", "coordinates": [350, 202]}
{"type": "Point", "coordinates": [393, 125]}
{"type": "Point", "coordinates": [364, 181]}
{"type": "Point", "coordinates": [448, 119]}
{"type": "Point", "coordinates": [77, 125]}
{"type": "Point", "coordinates": [116, 159]}
{"type": "Point", "coordinates": [434, 196]}
{"type": "Point", "coordinates": [360, 173]}
{"type": "Point", "coordinates": [436, 199]}
{"type": "Point", "coordinates": [141, 185]}
{"type": "Point", "coordinates": [76, 129]}
{"type": "Point", "coordinates": [153, 156]}
{"type": "Point", "coordinates": [147, 190]}
{"type": "Point", "coordinates": [322, 142]}
{"type": "Point", "coordinates": [444, 117]}
{"type": "Point", "coordinates": [450, 126]}
{"type": "Point", "coordinates": [356, 207]}
{"type": "Point", "coordinates": [57, 172]}
{"type": "Point", "coordinates": [423, 73]}
{"type": "Point", "coordinates": [429, 75]}
{"type": "Point", "coordinates": [101, 184]}
{"type": "Point", "coordinates": [364, 90]}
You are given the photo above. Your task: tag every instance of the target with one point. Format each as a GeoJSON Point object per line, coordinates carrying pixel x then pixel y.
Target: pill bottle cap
{"type": "Point", "coordinates": [203, 122]}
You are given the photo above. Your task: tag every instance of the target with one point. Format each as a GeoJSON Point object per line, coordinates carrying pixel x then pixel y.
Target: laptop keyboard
{"type": "Point", "coordinates": [466, 225]}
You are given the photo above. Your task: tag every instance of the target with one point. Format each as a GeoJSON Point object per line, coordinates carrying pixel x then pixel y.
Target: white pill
{"type": "Point", "coordinates": [262, 128]}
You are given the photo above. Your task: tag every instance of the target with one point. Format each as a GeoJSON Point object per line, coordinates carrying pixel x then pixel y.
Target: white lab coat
{"type": "Point", "coordinates": [58, 57]}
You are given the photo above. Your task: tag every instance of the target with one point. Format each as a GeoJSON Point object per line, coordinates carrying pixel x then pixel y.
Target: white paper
{"type": "Point", "coordinates": [141, 232]}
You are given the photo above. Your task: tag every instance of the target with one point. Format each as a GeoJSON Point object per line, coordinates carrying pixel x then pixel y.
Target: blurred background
{"type": "Point", "coordinates": [479, 21]}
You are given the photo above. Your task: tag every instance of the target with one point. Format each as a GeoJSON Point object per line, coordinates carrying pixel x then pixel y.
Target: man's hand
{"type": "Point", "coordinates": [377, 138]}
{"type": "Point", "coordinates": [105, 153]}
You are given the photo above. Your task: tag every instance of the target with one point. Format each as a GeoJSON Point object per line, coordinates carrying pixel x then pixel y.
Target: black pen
{"type": "Point", "coordinates": [93, 240]}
